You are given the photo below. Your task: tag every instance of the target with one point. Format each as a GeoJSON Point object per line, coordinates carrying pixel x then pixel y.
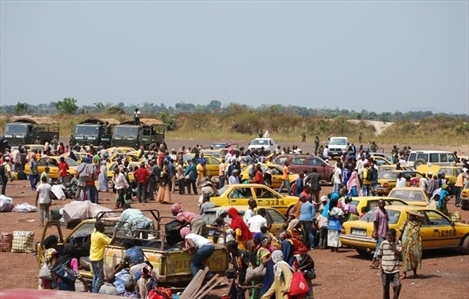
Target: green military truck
{"type": "Point", "coordinates": [94, 131]}
{"type": "Point", "coordinates": [29, 129]}
{"type": "Point", "coordinates": [129, 135]}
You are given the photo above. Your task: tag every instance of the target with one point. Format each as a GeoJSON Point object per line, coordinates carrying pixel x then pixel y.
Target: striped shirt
{"type": "Point", "coordinates": [389, 258]}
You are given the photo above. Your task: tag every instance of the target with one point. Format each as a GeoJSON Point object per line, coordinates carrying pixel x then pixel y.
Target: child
{"type": "Point", "coordinates": [322, 225]}
{"type": "Point", "coordinates": [234, 287]}
{"type": "Point", "coordinates": [363, 211]}
{"type": "Point", "coordinates": [388, 253]}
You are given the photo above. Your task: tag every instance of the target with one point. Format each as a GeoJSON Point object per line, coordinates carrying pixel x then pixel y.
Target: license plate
{"type": "Point", "coordinates": [358, 232]}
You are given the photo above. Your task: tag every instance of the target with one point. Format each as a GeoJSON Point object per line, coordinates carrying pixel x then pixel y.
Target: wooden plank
{"type": "Point", "coordinates": [196, 291]}
{"type": "Point", "coordinates": [209, 289]}
{"type": "Point", "coordinates": [195, 284]}
{"type": "Point", "coordinates": [205, 286]}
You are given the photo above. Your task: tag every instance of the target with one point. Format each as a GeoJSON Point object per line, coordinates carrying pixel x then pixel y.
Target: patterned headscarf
{"type": "Point", "coordinates": [177, 208]}
{"type": "Point", "coordinates": [48, 254]}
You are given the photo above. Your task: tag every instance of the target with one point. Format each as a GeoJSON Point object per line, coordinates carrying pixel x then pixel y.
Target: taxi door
{"type": "Point", "coordinates": [444, 234]}
{"type": "Point", "coordinates": [212, 167]}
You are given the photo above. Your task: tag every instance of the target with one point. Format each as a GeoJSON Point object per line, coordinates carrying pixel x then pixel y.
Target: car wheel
{"type": "Point", "coordinates": [362, 252]}
{"type": "Point", "coordinates": [465, 246]}
{"type": "Point", "coordinates": [419, 162]}
{"type": "Point", "coordinates": [289, 211]}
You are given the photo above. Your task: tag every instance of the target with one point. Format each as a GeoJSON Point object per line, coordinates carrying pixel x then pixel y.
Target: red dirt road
{"type": "Point", "coordinates": [444, 274]}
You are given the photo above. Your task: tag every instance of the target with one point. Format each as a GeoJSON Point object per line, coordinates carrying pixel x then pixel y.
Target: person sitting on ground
{"type": "Point", "coordinates": [108, 287]}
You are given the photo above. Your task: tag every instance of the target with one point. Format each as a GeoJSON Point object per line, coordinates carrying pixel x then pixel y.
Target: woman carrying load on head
{"type": "Point", "coordinates": [196, 222]}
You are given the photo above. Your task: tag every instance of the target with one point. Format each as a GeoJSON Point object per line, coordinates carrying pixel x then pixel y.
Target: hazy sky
{"type": "Point", "coordinates": [374, 55]}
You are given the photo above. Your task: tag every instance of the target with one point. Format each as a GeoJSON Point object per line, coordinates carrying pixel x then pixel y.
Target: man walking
{"type": "Point", "coordinates": [142, 176]}
{"type": "Point", "coordinates": [5, 173]}
{"type": "Point", "coordinates": [43, 200]}
{"type": "Point", "coordinates": [389, 253]}
{"type": "Point", "coordinates": [316, 145]}
{"type": "Point", "coordinates": [285, 179]}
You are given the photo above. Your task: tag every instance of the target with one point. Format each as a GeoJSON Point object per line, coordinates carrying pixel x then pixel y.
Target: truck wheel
{"type": "Point", "coordinates": [419, 162]}
{"type": "Point", "coordinates": [465, 245]}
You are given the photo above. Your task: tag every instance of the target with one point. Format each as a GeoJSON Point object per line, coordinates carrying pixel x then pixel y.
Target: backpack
{"type": "Point", "coordinates": [2, 170]}
{"type": "Point", "coordinates": [369, 174]}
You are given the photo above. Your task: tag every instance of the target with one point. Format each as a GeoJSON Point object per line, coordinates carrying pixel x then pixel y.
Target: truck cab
{"type": "Point", "coordinates": [337, 146]}
{"type": "Point", "coordinates": [267, 143]}
{"type": "Point", "coordinates": [130, 135]}
{"type": "Point", "coordinates": [25, 130]}
{"type": "Point", "coordinates": [94, 131]}
{"type": "Point", "coordinates": [163, 248]}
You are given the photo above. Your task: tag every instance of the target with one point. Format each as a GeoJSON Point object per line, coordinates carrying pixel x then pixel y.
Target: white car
{"type": "Point", "coordinates": [267, 143]}
{"type": "Point", "coordinates": [337, 146]}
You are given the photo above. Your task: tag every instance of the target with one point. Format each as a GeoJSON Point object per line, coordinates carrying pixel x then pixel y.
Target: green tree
{"type": "Point", "coordinates": [100, 107]}
{"type": "Point", "coordinates": [115, 110]}
{"type": "Point", "coordinates": [168, 120]}
{"type": "Point", "coordinates": [21, 108]}
{"type": "Point", "coordinates": [67, 106]}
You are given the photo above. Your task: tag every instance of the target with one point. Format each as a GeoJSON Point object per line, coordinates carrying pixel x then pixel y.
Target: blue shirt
{"type": "Point", "coordinates": [307, 211]}
{"type": "Point", "coordinates": [299, 186]}
{"type": "Point", "coordinates": [135, 255]}
{"type": "Point", "coordinates": [443, 194]}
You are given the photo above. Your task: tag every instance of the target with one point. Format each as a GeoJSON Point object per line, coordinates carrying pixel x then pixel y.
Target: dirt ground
{"type": "Point", "coordinates": [444, 274]}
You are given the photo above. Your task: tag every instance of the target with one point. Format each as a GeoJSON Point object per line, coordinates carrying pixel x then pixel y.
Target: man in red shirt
{"type": "Point", "coordinates": [258, 178]}
{"type": "Point", "coordinates": [63, 168]}
{"type": "Point", "coordinates": [142, 176]}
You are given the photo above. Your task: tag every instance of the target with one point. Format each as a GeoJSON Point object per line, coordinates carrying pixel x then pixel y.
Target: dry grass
{"type": "Point", "coordinates": [241, 124]}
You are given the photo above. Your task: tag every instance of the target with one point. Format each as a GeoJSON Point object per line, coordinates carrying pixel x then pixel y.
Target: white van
{"type": "Point", "coordinates": [420, 157]}
{"type": "Point", "coordinates": [337, 146]}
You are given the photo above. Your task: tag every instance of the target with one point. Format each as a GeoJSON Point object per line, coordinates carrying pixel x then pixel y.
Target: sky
{"type": "Point", "coordinates": [382, 56]}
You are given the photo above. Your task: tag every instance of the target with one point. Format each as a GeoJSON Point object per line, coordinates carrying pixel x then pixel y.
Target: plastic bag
{"type": "Point", "coordinates": [24, 208]}
{"type": "Point", "coordinates": [6, 204]}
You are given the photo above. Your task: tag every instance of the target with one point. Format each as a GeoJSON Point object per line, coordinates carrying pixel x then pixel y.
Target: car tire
{"type": "Point", "coordinates": [362, 252]}
{"type": "Point", "coordinates": [465, 245]}
{"type": "Point", "coordinates": [289, 210]}
{"type": "Point", "coordinates": [419, 162]}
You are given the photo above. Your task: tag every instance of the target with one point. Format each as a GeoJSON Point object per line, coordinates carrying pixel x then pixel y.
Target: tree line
{"type": "Point", "coordinates": [70, 106]}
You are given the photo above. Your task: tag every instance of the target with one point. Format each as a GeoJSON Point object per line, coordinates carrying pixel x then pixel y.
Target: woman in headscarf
{"type": "Point", "coordinates": [411, 242]}
{"type": "Point", "coordinates": [69, 260]}
{"type": "Point", "coordinates": [202, 247]}
{"type": "Point", "coordinates": [49, 258]}
{"type": "Point", "coordinates": [196, 222]}
{"type": "Point", "coordinates": [241, 232]}
{"type": "Point", "coordinates": [264, 257]}
{"type": "Point", "coordinates": [444, 197]}
{"type": "Point", "coordinates": [103, 185]}
{"type": "Point", "coordinates": [282, 278]}
{"type": "Point", "coordinates": [353, 184]}
{"type": "Point", "coordinates": [334, 225]}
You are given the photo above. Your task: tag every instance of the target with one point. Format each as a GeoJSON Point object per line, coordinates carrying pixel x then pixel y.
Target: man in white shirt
{"type": "Point", "coordinates": [401, 181]}
{"type": "Point", "coordinates": [423, 182]}
{"type": "Point", "coordinates": [325, 152]}
{"type": "Point", "coordinates": [250, 211]}
{"type": "Point", "coordinates": [256, 222]}
{"type": "Point", "coordinates": [120, 184]}
{"type": "Point", "coordinates": [337, 176]}
{"type": "Point", "coordinates": [360, 166]}
{"type": "Point", "coordinates": [43, 200]}
{"type": "Point", "coordinates": [137, 117]}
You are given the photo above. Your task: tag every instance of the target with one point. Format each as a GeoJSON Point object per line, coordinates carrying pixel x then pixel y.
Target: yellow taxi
{"type": "Point", "coordinates": [371, 202]}
{"type": "Point", "coordinates": [391, 167]}
{"type": "Point", "coordinates": [31, 147]}
{"type": "Point", "coordinates": [387, 179]}
{"type": "Point", "coordinates": [120, 150]}
{"type": "Point", "coordinates": [451, 172]}
{"type": "Point", "coordinates": [212, 167]}
{"type": "Point", "coordinates": [239, 194]}
{"type": "Point", "coordinates": [413, 196]}
{"type": "Point", "coordinates": [275, 170]}
{"type": "Point", "coordinates": [79, 155]}
{"type": "Point", "coordinates": [274, 218]}
{"type": "Point", "coordinates": [129, 157]}
{"type": "Point", "coordinates": [53, 164]}
{"type": "Point", "coordinates": [437, 231]}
